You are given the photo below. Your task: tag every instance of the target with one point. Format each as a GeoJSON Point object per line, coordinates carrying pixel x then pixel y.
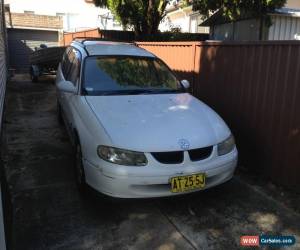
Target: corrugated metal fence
{"type": "Point", "coordinates": [97, 33]}
{"type": "Point", "coordinates": [130, 36]}
{"type": "Point", "coordinates": [255, 87]}
{"type": "Point", "coordinates": [69, 37]}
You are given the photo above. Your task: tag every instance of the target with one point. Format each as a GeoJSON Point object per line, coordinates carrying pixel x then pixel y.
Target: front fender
{"type": "Point", "coordinates": [90, 133]}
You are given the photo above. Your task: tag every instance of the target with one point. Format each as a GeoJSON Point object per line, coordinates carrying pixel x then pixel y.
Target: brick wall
{"type": "Point", "coordinates": [32, 20]}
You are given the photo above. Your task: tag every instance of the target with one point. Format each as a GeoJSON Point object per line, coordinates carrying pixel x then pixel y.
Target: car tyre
{"type": "Point", "coordinates": [79, 170]}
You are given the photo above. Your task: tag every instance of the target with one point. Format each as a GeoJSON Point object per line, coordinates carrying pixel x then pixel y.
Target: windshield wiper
{"type": "Point", "coordinates": [122, 92]}
{"type": "Point", "coordinates": [133, 92]}
{"type": "Point", "coordinates": [162, 91]}
{"type": "Point", "coordinates": [149, 91]}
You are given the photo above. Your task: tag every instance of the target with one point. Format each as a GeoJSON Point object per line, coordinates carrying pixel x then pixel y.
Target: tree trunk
{"type": "Point", "coordinates": [152, 18]}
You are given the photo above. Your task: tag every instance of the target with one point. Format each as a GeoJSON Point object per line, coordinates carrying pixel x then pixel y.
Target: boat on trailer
{"type": "Point", "coordinates": [45, 61]}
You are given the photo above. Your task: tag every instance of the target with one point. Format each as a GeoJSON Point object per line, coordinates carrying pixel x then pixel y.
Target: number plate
{"type": "Point", "coordinates": [181, 184]}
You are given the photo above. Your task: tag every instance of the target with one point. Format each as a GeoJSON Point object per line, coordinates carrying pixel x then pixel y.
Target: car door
{"type": "Point", "coordinates": [70, 69]}
{"type": "Point", "coordinates": [61, 76]}
{"type": "Point", "coordinates": [74, 57]}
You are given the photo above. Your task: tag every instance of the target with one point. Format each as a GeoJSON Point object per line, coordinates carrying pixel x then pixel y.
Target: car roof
{"type": "Point", "coordinates": [96, 48]}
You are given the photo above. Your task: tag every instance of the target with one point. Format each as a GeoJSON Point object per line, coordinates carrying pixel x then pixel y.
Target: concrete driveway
{"type": "Point", "coordinates": [49, 213]}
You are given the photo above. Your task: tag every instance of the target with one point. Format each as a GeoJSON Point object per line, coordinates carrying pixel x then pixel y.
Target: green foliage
{"type": "Point", "coordinates": [234, 9]}
{"type": "Point", "coordinates": [174, 35]}
{"type": "Point", "coordinates": [143, 15]}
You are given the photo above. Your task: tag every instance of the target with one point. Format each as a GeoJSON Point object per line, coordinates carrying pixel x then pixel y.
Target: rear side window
{"type": "Point", "coordinates": [71, 64]}
{"type": "Point", "coordinates": [65, 66]}
{"type": "Point", "coordinates": [75, 59]}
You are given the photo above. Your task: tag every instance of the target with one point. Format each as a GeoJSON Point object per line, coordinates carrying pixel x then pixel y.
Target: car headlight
{"type": "Point", "coordinates": [122, 156]}
{"type": "Point", "coordinates": [226, 146]}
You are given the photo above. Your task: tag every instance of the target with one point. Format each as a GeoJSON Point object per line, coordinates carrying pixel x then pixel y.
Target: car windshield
{"type": "Point", "coordinates": [128, 75]}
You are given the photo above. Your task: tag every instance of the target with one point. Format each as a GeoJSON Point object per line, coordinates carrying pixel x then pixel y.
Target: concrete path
{"type": "Point", "coordinates": [48, 212]}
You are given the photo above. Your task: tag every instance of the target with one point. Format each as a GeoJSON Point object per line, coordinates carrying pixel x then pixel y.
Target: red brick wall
{"type": "Point", "coordinates": [32, 20]}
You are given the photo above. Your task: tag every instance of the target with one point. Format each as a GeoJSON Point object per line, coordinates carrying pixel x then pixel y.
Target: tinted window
{"type": "Point", "coordinates": [128, 75]}
{"type": "Point", "coordinates": [74, 59]}
{"type": "Point", "coordinates": [65, 66]}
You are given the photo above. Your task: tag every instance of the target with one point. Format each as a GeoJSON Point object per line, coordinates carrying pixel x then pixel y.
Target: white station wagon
{"type": "Point", "coordinates": [137, 132]}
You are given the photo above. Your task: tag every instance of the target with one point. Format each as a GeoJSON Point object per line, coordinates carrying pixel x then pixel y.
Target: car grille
{"type": "Point", "coordinates": [200, 153]}
{"type": "Point", "coordinates": [174, 157]}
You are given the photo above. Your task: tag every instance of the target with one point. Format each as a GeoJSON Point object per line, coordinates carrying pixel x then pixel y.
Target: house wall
{"type": "Point", "coordinates": [247, 30]}
{"type": "Point", "coordinates": [293, 4]}
{"type": "Point", "coordinates": [77, 14]}
{"type": "Point", "coordinates": [238, 31]}
{"type": "Point", "coordinates": [33, 20]}
{"type": "Point", "coordinates": [222, 32]}
{"type": "Point", "coordinates": [179, 18]}
{"type": "Point", "coordinates": [195, 21]}
{"type": "Point", "coordinates": [284, 28]}
{"type": "Point", "coordinates": [185, 19]}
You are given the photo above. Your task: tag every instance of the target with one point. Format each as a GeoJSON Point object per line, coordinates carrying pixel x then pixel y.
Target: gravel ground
{"type": "Point", "coordinates": [49, 213]}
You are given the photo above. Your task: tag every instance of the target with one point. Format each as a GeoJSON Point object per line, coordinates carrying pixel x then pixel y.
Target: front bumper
{"type": "Point", "coordinates": [153, 181]}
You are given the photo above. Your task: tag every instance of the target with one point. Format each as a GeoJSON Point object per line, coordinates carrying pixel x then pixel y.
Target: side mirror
{"type": "Point", "coordinates": [186, 84]}
{"type": "Point", "coordinates": [66, 86]}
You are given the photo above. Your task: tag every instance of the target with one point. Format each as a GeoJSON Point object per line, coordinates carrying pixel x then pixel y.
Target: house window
{"type": "Point", "coordinates": [29, 12]}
